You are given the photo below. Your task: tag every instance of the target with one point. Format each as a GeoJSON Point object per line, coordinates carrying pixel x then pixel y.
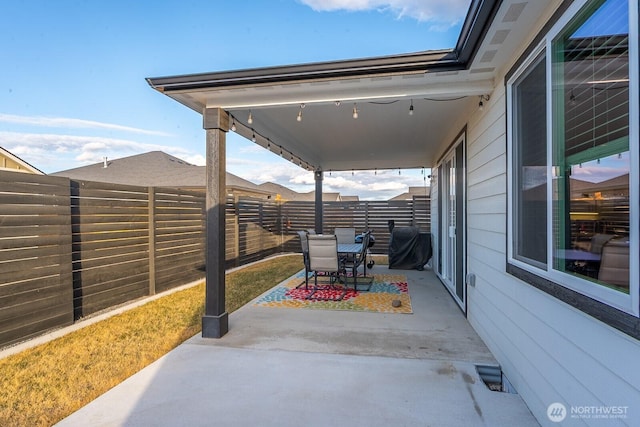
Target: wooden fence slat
{"type": "Point", "coordinates": [95, 185]}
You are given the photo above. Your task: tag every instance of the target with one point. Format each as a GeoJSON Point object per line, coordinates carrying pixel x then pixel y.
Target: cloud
{"type": "Point", "coordinates": [194, 159]}
{"type": "Point", "coordinates": [597, 174]}
{"type": "Point", "coordinates": [63, 122]}
{"type": "Point", "coordinates": [59, 151]}
{"type": "Point", "coordinates": [342, 183]}
{"type": "Point", "coordinates": [445, 13]}
{"type": "Point", "coordinates": [388, 186]}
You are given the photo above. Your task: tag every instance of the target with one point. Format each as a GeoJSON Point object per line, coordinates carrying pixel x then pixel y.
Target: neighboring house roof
{"type": "Point", "coordinates": [11, 162]}
{"type": "Point", "coordinates": [152, 169]}
{"type": "Point", "coordinates": [284, 192]}
{"type": "Point", "coordinates": [413, 191]}
{"type": "Point", "coordinates": [621, 181]}
{"type": "Point", "coordinates": [579, 187]}
{"type": "Point", "coordinates": [290, 195]}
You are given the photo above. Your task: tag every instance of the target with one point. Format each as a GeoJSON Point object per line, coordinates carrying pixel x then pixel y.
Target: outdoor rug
{"type": "Point", "coordinates": [378, 299]}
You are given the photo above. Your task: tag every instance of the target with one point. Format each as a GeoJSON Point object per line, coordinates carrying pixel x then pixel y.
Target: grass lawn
{"type": "Point", "coordinates": [42, 385]}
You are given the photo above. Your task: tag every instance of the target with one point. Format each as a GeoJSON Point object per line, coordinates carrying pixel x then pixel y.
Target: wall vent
{"type": "Point", "coordinates": [494, 379]}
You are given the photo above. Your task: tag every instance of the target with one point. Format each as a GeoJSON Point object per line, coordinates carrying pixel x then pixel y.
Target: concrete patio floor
{"type": "Point", "coordinates": [296, 367]}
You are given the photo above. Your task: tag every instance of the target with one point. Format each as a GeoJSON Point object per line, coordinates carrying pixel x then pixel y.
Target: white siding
{"type": "Point", "coordinates": [548, 350]}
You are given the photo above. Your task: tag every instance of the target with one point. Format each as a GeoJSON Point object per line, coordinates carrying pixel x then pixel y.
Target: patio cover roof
{"type": "Point", "coordinates": [443, 86]}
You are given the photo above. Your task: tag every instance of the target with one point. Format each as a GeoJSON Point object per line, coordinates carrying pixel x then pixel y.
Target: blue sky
{"type": "Point", "coordinates": [73, 89]}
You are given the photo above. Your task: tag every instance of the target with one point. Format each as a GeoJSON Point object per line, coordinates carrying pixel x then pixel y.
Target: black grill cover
{"type": "Point", "coordinates": [409, 248]}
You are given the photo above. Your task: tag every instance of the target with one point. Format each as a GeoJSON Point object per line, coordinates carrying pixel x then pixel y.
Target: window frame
{"type": "Point", "coordinates": [530, 61]}
{"type": "Point", "coordinates": [599, 301]}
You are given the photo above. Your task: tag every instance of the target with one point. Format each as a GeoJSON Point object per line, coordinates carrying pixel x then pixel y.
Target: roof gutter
{"type": "Point", "coordinates": [416, 62]}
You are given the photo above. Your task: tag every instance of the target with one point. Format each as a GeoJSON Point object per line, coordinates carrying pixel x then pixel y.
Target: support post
{"type": "Point", "coordinates": [318, 204]}
{"type": "Point", "coordinates": [215, 322]}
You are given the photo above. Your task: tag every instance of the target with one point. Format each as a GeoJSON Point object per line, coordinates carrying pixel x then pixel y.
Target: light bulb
{"type": "Point", "coordinates": [233, 126]}
{"type": "Point", "coordinates": [250, 119]}
{"type": "Point", "coordinates": [355, 111]}
{"type": "Point", "coordinates": [411, 109]}
{"type": "Point", "coordinates": [299, 118]}
{"type": "Point", "coordinates": [253, 138]}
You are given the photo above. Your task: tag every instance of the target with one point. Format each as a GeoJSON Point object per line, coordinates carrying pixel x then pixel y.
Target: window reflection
{"type": "Point", "coordinates": [599, 221]}
{"type": "Point", "coordinates": [591, 148]}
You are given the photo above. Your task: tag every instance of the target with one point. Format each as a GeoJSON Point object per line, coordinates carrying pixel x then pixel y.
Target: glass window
{"type": "Point", "coordinates": [591, 146]}
{"type": "Point", "coordinates": [573, 146]}
{"type": "Point", "coordinates": [530, 165]}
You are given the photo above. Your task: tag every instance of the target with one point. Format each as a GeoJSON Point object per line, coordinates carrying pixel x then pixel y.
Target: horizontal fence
{"type": "Point", "coordinates": [361, 215]}
{"type": "Point", "coordinates": [69, 249]}
{"type": "Point", "coordinates": [35, 255]}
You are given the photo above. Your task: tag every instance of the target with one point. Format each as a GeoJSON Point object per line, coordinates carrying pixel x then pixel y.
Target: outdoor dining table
{"type": "Point", "coordinates": [352, 250]}
{"type": "Point", "coordinates": [349, 248]}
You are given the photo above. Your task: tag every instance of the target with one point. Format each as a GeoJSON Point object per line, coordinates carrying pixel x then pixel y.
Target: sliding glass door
{"type": "Point", "coordinates": [450, 265]}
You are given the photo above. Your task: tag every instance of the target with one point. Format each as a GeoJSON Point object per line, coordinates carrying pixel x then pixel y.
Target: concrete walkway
{"type": "Point", "coordinates": [295, 367]}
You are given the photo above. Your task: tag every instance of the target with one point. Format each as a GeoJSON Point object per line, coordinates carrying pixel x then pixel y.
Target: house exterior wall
{"type": "Point", "coordinates": [12, 164]}
{"type": "Point", "coordinates": [548, 350]}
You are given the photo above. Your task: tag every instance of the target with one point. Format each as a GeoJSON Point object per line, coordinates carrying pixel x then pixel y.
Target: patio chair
{"type": "Point", "coordinates": [345, 234]}
{"type": "Point", "coordinates": [614, 264]}
{"type": "Point", "coordinates": [323, 258]}
{"type": "Point", "coordinates": [304, 244]}
{"type": "Point", "coordinates": [359, 259]}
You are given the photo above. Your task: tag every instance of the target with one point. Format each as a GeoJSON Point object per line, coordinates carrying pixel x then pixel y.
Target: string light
{"type": "Point", "coordinates": [411, 108]}
{"type": "Point", "coordinates": [286, 154]}
{"type": "Point", "coordinates": [355, 111]}
{"type": "Point", "coordinates": [250, 119]}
